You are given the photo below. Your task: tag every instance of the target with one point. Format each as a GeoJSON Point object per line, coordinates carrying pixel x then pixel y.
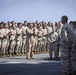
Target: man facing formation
{"type": "Point", "coordinates": [53, 37]}
{"type": "Point", "coordinates": [66, 43]}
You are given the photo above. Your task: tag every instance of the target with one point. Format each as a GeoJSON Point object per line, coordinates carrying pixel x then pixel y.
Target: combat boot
{"type": "Point", "coordinates": [13, 54]}
{"type": "Point", "coordinates": [17, 54]}
{"type": "Point", "coordinates": [7, 55]}
{"type": "Point", "coordinates": [10, 55]}
{"type": "Point", "coordinates": [20, 54]}
{"type": "Point", "coordinates": [1, 56]}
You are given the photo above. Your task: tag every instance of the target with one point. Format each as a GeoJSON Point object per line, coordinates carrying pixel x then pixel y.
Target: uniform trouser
{"type": "Point", "coordinates": [73, 57]}
{"type": "Point", "coordinates": [34, 45]}
{"type": "Point", "coordinates": [7, 47]}
{"type": "Point", "coordinates": [47, 44]}
{"type": "Point", "coordinates": [53, 48]}
{"type": "Point", "coordinates": [66, 61]}
{"type": "Point", "coordinates": [44, 44]}
{"type": "Point", "coordinates": [4, 46]}
{"type": "Point", "coordinates": [36, 42]}
{"type": "Point", "coordinates": [29, 49]}
{"type": "Point", "coordinates": [58, 47]}
{"type": "Point", "coordinates": [18, 46]}
{"type": "Point", "coordinates": [12, 46]}
{"type": "Point", "coordinates": [23, 45]}
{"type": "Point", "coordinates": [0, 46]}
{"type": "Point", "coordinates": [39, 45]}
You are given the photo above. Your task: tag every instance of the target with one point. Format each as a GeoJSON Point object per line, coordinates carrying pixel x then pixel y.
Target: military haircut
{"type": "Point", "coordinates": [65, 18]}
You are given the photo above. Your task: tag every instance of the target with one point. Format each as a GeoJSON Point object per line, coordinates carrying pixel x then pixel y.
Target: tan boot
{"type": "Point", "coordinates": [7, 55]}
{"type": "Point", "coordinates": [10, 55]}
{"type": "Point", "coordinates": [17, 54]}
{"type": "Point", "coordinates": [1, 56]}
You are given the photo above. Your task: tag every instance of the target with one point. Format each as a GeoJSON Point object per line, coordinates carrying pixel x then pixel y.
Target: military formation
{"type": "Point", "coordinates": [30, 38]}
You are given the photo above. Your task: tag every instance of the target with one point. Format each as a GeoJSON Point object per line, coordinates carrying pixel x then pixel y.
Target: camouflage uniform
{"type": "Point", "coordinates": [58, 30]}
{"type": "Point", "coordinates": [18, 41]}
{"type": "Point", "coordinates": [48, 27]}
{"type": "Point", "coordinates": [12, 36]}
{"type": "Point", "coordinates": [44, 40]}
{"type": "Point", "coordinates": [73, 52]}
{"type": "Point", "coordinates": [7, 47]}
{"type": "Point", "coordinates": [1, 36]}
{"type": "Point", "coordinates": [66, 42]}
{"type": "Point", "coordinates": [29, 43]}
{"type": "Point", "coordinates": [39, 45]}
{"type": "Point", "coordinates": [35, 39]}
{"type": "Point", "coordinates": [4, 42]}
{"type": "Point", "coordinates": [24, 28]}
{"type": "Point", "coordinates": [49, 30]}
{"type": "Point", "coordinates": [53, 37]}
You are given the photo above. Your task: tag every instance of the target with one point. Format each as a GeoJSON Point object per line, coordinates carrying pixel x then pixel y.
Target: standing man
{"type": "Point", "coordinates": [39, 45]}
{"type": "Point", "coordinates": [7, 46]}
{"type": "Point", "coordinates": [29, 41]}
{"type": "Point", "coordinates": [53, 37]}
{"type": "Point", "coordinates": [58, 30]}
{"type": "Point", "coordinates": [49, 30]}
{"type": "Point", "coordinates": [12, 39]}
{"type": "Point", "coordinates": [66, 42]}
{"type": "Point", "coordinates": [1, 37]}
{"type": "Point", "coordinates": [24, 28]}
{"type": "Point", "coordinates": [4, 40]}
{"type": "Point", "coordinates": [35, 37]}
{"type": "Point", "coordinates": [19, 39]}
{"type": "Point", "coordinates": [44, 38]}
